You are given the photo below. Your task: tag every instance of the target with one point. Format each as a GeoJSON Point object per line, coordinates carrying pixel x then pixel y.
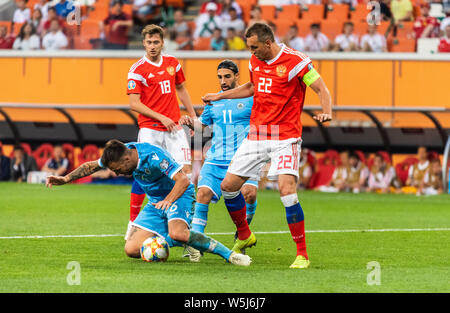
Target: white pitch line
{"type": "Point", "coordinates": [256, 232]}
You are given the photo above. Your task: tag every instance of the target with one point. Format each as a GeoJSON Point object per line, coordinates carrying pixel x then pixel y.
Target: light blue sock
{"type": "Point", "coordinates": [200, 217]}
{"type": "Point", "coordinates": [204, 243]}
{"type": "Point", "coordinates": [251, 208]}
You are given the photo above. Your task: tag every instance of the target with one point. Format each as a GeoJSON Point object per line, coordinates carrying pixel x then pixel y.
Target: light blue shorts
{"type": "Point", "coordinates": [156, 221]}
{"type": "Point", "coordinates": [211, 176]}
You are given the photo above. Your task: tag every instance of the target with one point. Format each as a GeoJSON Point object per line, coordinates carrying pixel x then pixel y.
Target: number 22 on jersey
{"type": "Point", "coordinates": [264, 84]}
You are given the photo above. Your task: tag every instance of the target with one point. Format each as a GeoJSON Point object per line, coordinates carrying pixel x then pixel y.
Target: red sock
{"type": "Point", "coordinates": [298, 235]}
{"type": "Point", "coordinates": [240, 220]}
{"type": "Point", "coordinates": [136, 201]}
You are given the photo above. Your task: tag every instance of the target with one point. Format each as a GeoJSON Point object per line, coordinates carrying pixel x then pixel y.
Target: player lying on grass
{"type": "Point", "coordinates": [230, 120]}
{"type": "Point", "coordinates": [171, 197]}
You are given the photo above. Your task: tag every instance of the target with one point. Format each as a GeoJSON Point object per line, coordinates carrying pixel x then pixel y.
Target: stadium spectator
{"type": "Point", "coordinates": [304, 171]}
{"type": "Point", "coordinates": [21, 165]}
{"type": "Point", "coordinates": [316, 41]}
{"type": "Point", "coordinates": [402, 10]}
{"type": "Point", "coordinates": [27, 38]}
{"type": "Point", "coordinates": [340, 174]}
{"type": "Point", "coordinates": [6, 40]}
{"type": "Point", "coordinates": [43, 6]}
{"type": "Point", "coordinates": [357, 174]}
{"type": "Point", "coordinates": [37, 21]}
{"type": "Point", "coordinates": [256, 16]}
{"type": "Point", "coordinates": [22, 14]}
{"type": "Point", "coordinates": [382, 177]}
{"type": "Point", "coordinates": [444, 23]}
{"type": "Point", "coordinates": [432, 183]}
{"type": "Point", "coordinates": [444, 43]}
{"type": "Point", "coordinates": [274, 30]}
{"type": "Point", "coordinates": [55, 38]}
{"type": "Point", "coordinates": [385, 10]}
{"type": "Point", "coordinates": [417, 171]}
{"type": "Point", "coordinates": [226, 6]}
{"type": "Point", "coordinates": [217, 41]}
{"type": "Point", "coordinates": [64, 7]}
{"type": "Point", "coordinates": [170, 43]}
{"type": "Point", "coordinates": [347, 41]}
{"type": "Point", "coordinates": [207, 22]}
{"type": "Point", "coordinates": [373, 41]}
{"type": "Point", "coordinates": [426, 26]}
{"type": "Point", "coordinates": [5, 165]}
{"type": "Point", "coordinates": [293, 40]}
{"type": "Point", "coordinates": [143, 8]}
{"type": "Point", "coordinates": [116, 26]}
{"type": "Point", "coordinates": [58, 163]}
{"type": "Point", "coordinates": [234, 42]}
{"type": "Point", "coordinates": [179, 26]}
{"type": "Point", "coordinates": [234, 22]}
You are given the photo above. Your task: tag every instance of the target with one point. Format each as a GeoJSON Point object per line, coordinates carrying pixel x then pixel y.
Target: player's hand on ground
{"type": "Point", "coordinates": [169, 124]}
{"type": "Point", "coordinates": [55, 180]}
{"type": "Point", "coordinates": [210, 97]}
{"type": "Point", "coordinates": [162, 205]}
{"type": "Point", "coordinates": [322, 117]}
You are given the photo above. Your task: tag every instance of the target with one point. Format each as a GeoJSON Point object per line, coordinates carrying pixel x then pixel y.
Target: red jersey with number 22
{"type": "Point", "coordinates": [279, 94]}
{"type": "Point", "coordinates": [155, 82]}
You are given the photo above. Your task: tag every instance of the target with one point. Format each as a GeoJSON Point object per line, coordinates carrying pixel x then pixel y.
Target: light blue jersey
{"type": "Point", "coordinates": [231, 122]}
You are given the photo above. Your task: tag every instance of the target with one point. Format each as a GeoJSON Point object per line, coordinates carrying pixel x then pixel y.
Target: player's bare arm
{"type": "Point", "coordinates": [137, 106]}
{"type": "Point", "coordinates": [244, 91]}
{"type": "Point", "coordinates": [322, 91]}
{"type": "Point", "coordinates": [185, 99]}
{"type": "Point", "coordinates": [181, 184]}
{"type": "Point", "coordinates": [83, 170]}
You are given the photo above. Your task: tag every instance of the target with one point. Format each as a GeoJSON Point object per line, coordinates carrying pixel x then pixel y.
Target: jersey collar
{"type": "Point", "coordinates": [278, 55]}
{"type": "Point", "coordinates": [153, 63]}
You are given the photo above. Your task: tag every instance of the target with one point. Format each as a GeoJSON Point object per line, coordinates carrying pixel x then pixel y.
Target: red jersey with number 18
{"type": "Point", "coordinates": [279, 94]}
{"type": "Point", "coordinates": [155, 82]}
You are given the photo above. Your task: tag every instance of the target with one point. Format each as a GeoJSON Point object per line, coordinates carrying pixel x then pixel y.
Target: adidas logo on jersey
{"type": "Point", "coordinates": [162, 72]}
{"type": "Point", "coordinates": [151, 75]}
{"type": "Point", "coordinates": [267, 71]}
{"type": "Point", "coordinates": [154, 156]}
{"type": "Point", "coordinates": [257, 69]}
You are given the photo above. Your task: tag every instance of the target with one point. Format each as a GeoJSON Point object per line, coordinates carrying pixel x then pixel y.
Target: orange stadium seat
{"type": "Point", "coordinates": [303, 27]}
{"type": "Point", "coordinates": [128, 9]}
{"type": "Point", "coordinates": [243, 2]}
{"type": "Point", "coordinates": [81, 43]}
{"type": "Point", "coordinates": [267, 12]}
{"type": "Point", "coordinates": [289, 12]}
{"type": "Point", "coordinates": [202, 43]}
{"type": "Point", "coordinates": [403, 45]}
{"type": "Point", "coordinates": [90, 29]}
{"type": "Point", "coordinates": [99, 12]}
{"type": "Point", "coordinates": [314, 12]}
{"type": "Point", "coordinates": [405, 29]}
{"type": "Point", "coordinates": [246, 8]}
{"type": "Point", "coordinates": [360, 13]}
{"type": "Point", "coordinates": [16, 28]}
{"type": "Point", "coordinates": [331, 28]}
{"type": "Point", "coordinates": [338, 12]}
{"type": "Point", "coordinates": [282, 26]}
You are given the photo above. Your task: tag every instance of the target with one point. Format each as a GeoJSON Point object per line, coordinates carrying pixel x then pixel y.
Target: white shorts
{"type": "Point", "coordinates": [252, 155]}
{"type": "Point", "coordinates": [175, 143]}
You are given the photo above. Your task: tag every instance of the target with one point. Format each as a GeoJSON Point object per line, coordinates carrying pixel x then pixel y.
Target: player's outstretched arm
{"type": "Point", "coordinates": [244, 91]}
{"type": "Point", "coordinates": [322, 91]}
{"type": "Point", "coordinates": [181, 184]}
{"type": "Point", "coordinates": [83, 170]}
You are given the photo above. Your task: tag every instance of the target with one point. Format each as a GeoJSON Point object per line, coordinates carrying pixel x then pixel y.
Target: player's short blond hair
{"type": "Point", "coordinates": [152, 29]}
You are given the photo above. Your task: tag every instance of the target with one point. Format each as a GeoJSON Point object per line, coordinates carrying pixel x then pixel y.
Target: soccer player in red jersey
{"type": "Point", "coordinates": [278, 79]}
{"type": "Point", "coordinates": [153, 85]}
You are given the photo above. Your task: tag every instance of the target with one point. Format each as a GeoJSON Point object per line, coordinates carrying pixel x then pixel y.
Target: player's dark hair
{"type": "Point", "coordinates": [262, 31]}
{"type": "Point", "coordinates": [152, 30]}
{"type": "Point", "coordinates": [113, 152]}
{"type": "Point", "coordinates": [229, 65]}
{"type": "Point", "coordinates": [315, 25]}
{"type": "Point", "coordinates": [354, 155]}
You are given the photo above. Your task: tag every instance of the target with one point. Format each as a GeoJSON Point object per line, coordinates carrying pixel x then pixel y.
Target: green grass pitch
{"type": "Point", "coordinates": [410, 261]}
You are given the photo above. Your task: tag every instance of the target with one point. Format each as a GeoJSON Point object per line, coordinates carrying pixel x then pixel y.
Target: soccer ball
{"type": "Point", "coordinates": [155, 249]}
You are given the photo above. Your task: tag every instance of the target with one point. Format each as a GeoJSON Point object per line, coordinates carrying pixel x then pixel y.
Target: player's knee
{"type": "Point", "coordinates": [204, 195]}
{"type": "Point", "coordinates": [249, 195]}
{"type": "Point", "coordinates": [227, 186]}
{"type": "Point", "coordinates": [288, 188]}
{"type": "Point", "coordinates": [178, 235]}
{"type": "Point", "coordinates": [132, 250]}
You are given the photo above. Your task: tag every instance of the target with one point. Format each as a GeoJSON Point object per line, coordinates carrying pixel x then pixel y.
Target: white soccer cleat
{"type": "Point", "coordinates": [240, 259]}
{"type": "Point", "coordinates": [130, 225]}
{"type": "Point", "coordinates": [194, 254]}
